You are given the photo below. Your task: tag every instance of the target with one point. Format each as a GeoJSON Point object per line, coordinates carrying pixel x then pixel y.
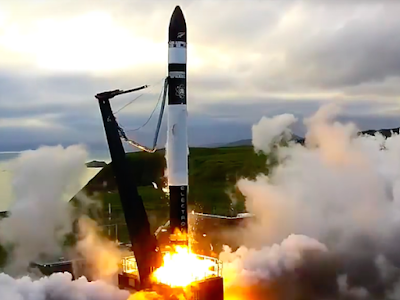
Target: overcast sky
{"type": "Point", "coordinates": [245, 59]}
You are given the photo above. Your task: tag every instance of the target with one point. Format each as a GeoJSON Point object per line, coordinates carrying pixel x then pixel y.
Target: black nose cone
{"type": "Point", "coordinates": [177, 26]}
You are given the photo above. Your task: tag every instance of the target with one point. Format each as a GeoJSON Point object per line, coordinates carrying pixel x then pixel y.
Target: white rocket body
{"type": "Point", "coordinates": [177, 139]}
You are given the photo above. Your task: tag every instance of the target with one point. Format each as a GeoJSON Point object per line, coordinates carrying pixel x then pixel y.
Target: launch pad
{"type": "Point", "coordinates": [206, 286]}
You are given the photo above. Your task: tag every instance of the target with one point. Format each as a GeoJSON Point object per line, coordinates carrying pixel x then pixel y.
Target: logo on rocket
{"type": "Point", "coordinates": [180, 91]}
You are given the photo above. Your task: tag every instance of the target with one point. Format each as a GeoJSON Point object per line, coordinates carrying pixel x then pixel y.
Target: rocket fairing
{"type": "Point", "coordinates": [177, 141]}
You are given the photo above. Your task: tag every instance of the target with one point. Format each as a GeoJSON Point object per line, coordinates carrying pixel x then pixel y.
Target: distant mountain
{"type": "Point", "coordinates": [246, 142]}
{"type": "Point", "coordinates": [213, 145]}
{"type": "Point", "coordinates": [299, 139]}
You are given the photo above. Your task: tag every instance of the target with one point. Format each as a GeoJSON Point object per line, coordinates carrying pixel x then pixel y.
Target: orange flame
{"type": "Point", "coordinates": [182, 267]}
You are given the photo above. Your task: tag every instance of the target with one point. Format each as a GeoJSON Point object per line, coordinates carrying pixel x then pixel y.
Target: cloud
{"type": "Point", "coordinates": [291, 43]}
{"type": "Point", "coordinates": [285, 57]}
{"type": "Point", "coordinates": [44, 112]}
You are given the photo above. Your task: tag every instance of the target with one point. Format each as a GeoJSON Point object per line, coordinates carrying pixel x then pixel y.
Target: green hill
{"type": "Point", "coordinates": [213, 173]}
{"type": "Point", "coordinates": [206, 165]}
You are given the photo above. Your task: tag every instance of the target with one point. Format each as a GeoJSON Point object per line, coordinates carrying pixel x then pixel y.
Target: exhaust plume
{"type": "Point", "coordinates": [101, 255]}
{"type": "Point", "coordinates": [58, 286]}
{"type": "Point", "coordinates": [251, 266]}
{"type": "Point", "coordinates": [341, 192]}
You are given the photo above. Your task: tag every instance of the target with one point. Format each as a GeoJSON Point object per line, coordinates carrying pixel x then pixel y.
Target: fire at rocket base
{"type": "Point", "coordinates": [177, 141]}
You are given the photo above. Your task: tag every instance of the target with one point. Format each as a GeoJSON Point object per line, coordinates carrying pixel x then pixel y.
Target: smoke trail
{"type": "Point", "coordinates": [342, 191]}
{"type": "Point", "coordinates": [41, 216]}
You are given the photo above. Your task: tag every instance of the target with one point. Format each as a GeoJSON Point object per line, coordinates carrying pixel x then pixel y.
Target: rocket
{"type": "Point", "coordinates": [177, 140]}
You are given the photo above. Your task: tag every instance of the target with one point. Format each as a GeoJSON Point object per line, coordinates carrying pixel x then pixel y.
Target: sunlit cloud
{"type": "Point", "coordinates": [267, 56]}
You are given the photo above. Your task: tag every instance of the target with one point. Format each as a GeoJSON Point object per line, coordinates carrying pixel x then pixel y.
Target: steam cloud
{"type": "Point", "coordinates": [327, 216]}
{"type": "Point", "coordinates": [41, 216]}
{"type": "Point", "coordinates": [58, 286]}
{"type": "Point", "coordinates": [101, 255]}
{"type": "Point", "coordinates": [39, 219]}
{"type": "Point", "coordinates": [277, 131]}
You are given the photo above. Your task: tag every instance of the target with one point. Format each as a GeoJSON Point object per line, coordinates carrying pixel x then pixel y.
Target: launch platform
{"type": "Point", "coordinates": [205, 286]}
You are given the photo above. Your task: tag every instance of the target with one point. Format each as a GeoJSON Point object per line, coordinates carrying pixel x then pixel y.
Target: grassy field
{"type": "Point", "coordinates": [213, 173]}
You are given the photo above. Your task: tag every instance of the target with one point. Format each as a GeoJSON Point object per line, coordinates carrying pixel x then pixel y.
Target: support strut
{"type": "Point", "coordinates": [144, 244]}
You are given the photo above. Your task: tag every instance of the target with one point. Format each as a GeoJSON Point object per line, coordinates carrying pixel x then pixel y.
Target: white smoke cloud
{"type": "Point", "coordinates": [246, 267]}
{"type": "Point", "coordinates": [41, 216]}
{"type": "Point", "coordinates": [340, 190]}
{"type": "Point", "coordinates": [101, 255]}
{"type": "Point", "coordinates": [339, 181]}
{"type": "Point", "coordinates": [58, 286]}
{"type": "Point", "coordinates": [278, 129]}
{"type": "Point", "coordinates": [358, 293]}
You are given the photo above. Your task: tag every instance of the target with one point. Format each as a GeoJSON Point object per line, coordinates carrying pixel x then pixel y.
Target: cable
{"type": "Point", "coordinates": [151, 115]}
{"type": "Point", "coordinates": [129, 103]}
{"type": "Point", "coordinates": [136, 98]}
{"type": "Point", "coordinates": [137, 145]}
